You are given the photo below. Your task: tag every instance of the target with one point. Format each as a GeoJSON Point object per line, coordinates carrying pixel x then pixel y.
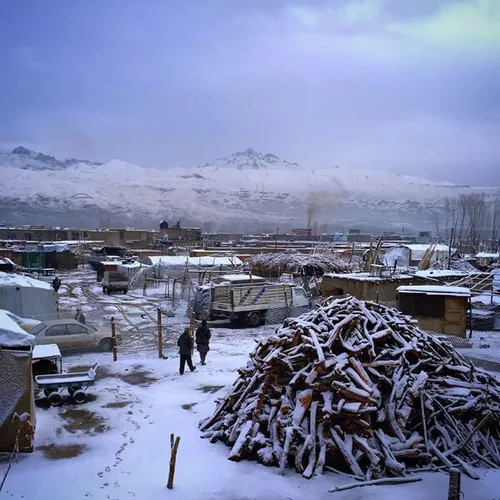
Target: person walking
{"type": "Point", "coordinates": [185, 344]}
{"type": "Point", "coordinates": [79, 316]}
{"type": "Point", "coordinates": [202, 340]}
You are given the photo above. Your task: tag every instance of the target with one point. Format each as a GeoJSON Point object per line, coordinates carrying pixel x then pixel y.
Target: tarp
{"type": "Point", "coordinates": [26, 297]}
{"type": "Point", "coordinates": [12, 335]}
{"type": "Point", "coordinates": [406, 254]}
{"type": "Point", "coordinates": [54, 247]}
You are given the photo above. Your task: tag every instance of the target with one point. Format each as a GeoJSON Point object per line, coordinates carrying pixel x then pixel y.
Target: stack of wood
{"type": "Point", "coordinates": [275, 264]}
{"type": "Point", "coordinates": [356, 387]}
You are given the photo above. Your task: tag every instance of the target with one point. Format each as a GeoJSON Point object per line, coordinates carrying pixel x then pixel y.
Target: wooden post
{"type": "Point", "coordinates": [166, 288]}
{"type": "Point", "coordinates": [174, 445]}
{"type": "Point", "coordinates": [454, 485]}
{"type": "Point", "coordinates": [192, 323]}
{"type": "Point", "coordinates": [173, 289]}
{"type": "Point", "coordinates": [160, 334]}
{"type": "Point", "coordinates": [113, 338]}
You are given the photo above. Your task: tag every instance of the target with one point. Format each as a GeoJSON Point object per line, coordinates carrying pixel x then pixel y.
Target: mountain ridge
{"type": "Point", "coordinates": [244, 189]}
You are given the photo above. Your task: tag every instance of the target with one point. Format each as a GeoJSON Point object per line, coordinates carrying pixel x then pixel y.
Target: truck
{"type": "Point", "coordinates": [252, 304]}
{"type": "Point", "coordinates": [114, 281]}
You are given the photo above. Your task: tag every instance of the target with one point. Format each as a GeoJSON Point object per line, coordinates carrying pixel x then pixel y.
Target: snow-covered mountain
{"type": "Point", "coordinates": [27, 159]}
{"type": "Point", "coordinates": [242, 191]}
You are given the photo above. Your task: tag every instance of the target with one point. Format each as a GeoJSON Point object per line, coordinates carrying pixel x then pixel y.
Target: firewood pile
{"type": "Point", "coordinates": [356, 387]}
{"type": "Point", "coordinates": [306, 264]}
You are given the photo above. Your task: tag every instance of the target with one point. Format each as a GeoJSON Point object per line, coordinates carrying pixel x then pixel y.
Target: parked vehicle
{"type": "Point", "coordinates": [114, 282]}
{"type": "Point", "coordinates": [71, 335]}
{"type": "Point", "coordinates": [253, 304]}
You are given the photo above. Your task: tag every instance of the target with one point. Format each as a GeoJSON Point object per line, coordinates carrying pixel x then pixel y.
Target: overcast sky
{"type": "Point", "coordinates": [408, 85]}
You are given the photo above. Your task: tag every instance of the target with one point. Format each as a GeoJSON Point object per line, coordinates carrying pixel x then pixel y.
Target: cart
{"type": "Point", "coordinates": [76, 384]}
{"type": "Point", "coordinates": [47, 360]}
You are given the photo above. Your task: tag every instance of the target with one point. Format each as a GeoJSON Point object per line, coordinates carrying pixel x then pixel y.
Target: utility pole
{"type": "Point", "coordinates": [449, 248]}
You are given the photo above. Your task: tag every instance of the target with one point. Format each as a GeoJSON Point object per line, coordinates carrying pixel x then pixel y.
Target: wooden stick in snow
{"type": "Point", "coordinates": [174, 445]}
{"type": "Point", "coordinates": [377, 482]}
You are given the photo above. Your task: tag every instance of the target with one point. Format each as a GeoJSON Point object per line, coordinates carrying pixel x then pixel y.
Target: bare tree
{"type": "Point", "coordinates": [435, 218]}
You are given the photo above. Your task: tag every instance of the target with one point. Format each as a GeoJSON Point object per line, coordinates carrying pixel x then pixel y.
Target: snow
{"type": "Point", "coordinates": [7, 279]}
{"type": "Point", "coordinates": [130, 459]}
{"type": "Point", "coordinates": [487, 298]}
{"type": "Point", "coordinates": [241, 277]}
{"type": "Point", "coordinates": [367, 277]}
{"type": "Point", "coordinates": [441, 273]}
{"type": "Point", "coordinates": [435, 290]}
{"type": "Point", "coordinates": [487, 255]}
{"type": "Point", "coordinates": [11, 334]}
{"type": "Point", "coordinates": [177, 261]}
{"type": "Point", "coordinates": [46, 351]}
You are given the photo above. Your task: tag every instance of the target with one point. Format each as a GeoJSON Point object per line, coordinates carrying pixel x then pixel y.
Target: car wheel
{"type": "Point", "coordinates": [106, 345]}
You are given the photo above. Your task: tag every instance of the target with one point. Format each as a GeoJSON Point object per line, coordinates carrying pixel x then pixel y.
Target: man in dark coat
{"type": "Point", "coordinates": [185, 344]}
{"type": "Point", "coordinates": [79, 316]}
{"type": "Point", "coordinates": [202, 340]}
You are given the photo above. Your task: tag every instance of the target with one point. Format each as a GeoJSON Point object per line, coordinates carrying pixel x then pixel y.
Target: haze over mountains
{"type": "Point", "coordinates": [246, 190]}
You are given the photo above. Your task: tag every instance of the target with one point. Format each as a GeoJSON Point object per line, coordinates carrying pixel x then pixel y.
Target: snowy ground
{"type": "Point", "coordinates": [116, 446]}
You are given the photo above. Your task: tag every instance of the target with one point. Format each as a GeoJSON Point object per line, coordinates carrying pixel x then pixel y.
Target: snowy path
{"type": "Point", "coordinates": [117, 446]}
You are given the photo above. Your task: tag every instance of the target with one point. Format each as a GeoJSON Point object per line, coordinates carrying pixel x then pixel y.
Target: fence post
{"type": "Point", "coordinates": [173, 289]}
{"type": "Point", "coordinates": [113, 338]}
{"type": "Point", "coordinates": [168, 286]}
{"type": "Point", "coordinates": [454, 485]}
{"type": "Point", "coordinates": [160, 334]}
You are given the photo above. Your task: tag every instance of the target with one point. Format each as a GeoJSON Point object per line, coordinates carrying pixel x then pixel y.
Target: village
{"type": "Point", "coordinates": [339, 364]}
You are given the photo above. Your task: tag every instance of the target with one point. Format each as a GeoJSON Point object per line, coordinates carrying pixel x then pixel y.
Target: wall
{"type": "Point", "coordinates": [366, 289]}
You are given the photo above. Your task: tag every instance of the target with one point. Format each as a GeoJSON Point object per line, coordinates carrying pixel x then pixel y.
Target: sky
{"type": "Point", "coordinates": [411, 86]}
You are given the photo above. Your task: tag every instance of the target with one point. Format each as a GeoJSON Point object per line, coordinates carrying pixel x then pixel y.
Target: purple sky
{"type": "Point", "coordinates": [412, 86]}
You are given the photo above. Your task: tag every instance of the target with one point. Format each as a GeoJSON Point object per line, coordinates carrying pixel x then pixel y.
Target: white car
{"type": "Point", "coordinates": [71, 335]}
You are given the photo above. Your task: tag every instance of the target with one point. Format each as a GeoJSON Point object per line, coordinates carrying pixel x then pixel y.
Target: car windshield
{"type": "Point", "coordinates": [37, 329]}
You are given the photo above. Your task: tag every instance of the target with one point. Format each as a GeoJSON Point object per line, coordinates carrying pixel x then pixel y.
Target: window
{"type": "Point", "coordinates": [74, 329]}
{"type": "Point", "coordinates": [37, 329]}
{"type": "Point", "coordinates": [27, 236]}
{"type": "Point", "coordinates": [56, 331]}
{"type": "Point", "coordinates": [75, 235]}
{"type": "Point", "coordinates": [422, 305]}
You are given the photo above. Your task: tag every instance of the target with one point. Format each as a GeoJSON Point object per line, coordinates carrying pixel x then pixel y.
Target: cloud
{"type": "Point", "coordinates": [409, 85]}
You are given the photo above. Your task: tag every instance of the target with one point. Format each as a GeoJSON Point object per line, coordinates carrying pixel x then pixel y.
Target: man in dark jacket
{"type": "Point", "coordinates": [202, 340]}
{"type": "Point", "coordinates": [185, 344]}
{"type": "Point", "coordinates": [79, 316]}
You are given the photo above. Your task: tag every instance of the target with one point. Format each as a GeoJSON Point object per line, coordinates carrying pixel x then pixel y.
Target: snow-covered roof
{"type": "Point", "coordinates": [435, 290]}
{"type": "Point", "coordinates": [487, 255]}
{"type": "Point", "coordinates": [7, 279]}
{"type": "Point", "coordinates": [241, 277]}
{"type": "Point", "coordinates": [367, 277]}
{"type": "Point", "coordinates": [12, 335]}
{"type": "Point", "coordinates": [440, 273]}
{"type": "Point", "coordinates": [131, 265]}
{"type": "Point", "coordinates": [46, 351]}
{"type": "Point", "coordinates": [424, 247]}
{"type": "Point", "coordinates": [174, 261]}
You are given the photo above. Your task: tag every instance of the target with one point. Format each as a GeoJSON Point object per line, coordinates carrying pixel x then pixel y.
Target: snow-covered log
{"type": "Point", "coordinates": [357, 387]}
